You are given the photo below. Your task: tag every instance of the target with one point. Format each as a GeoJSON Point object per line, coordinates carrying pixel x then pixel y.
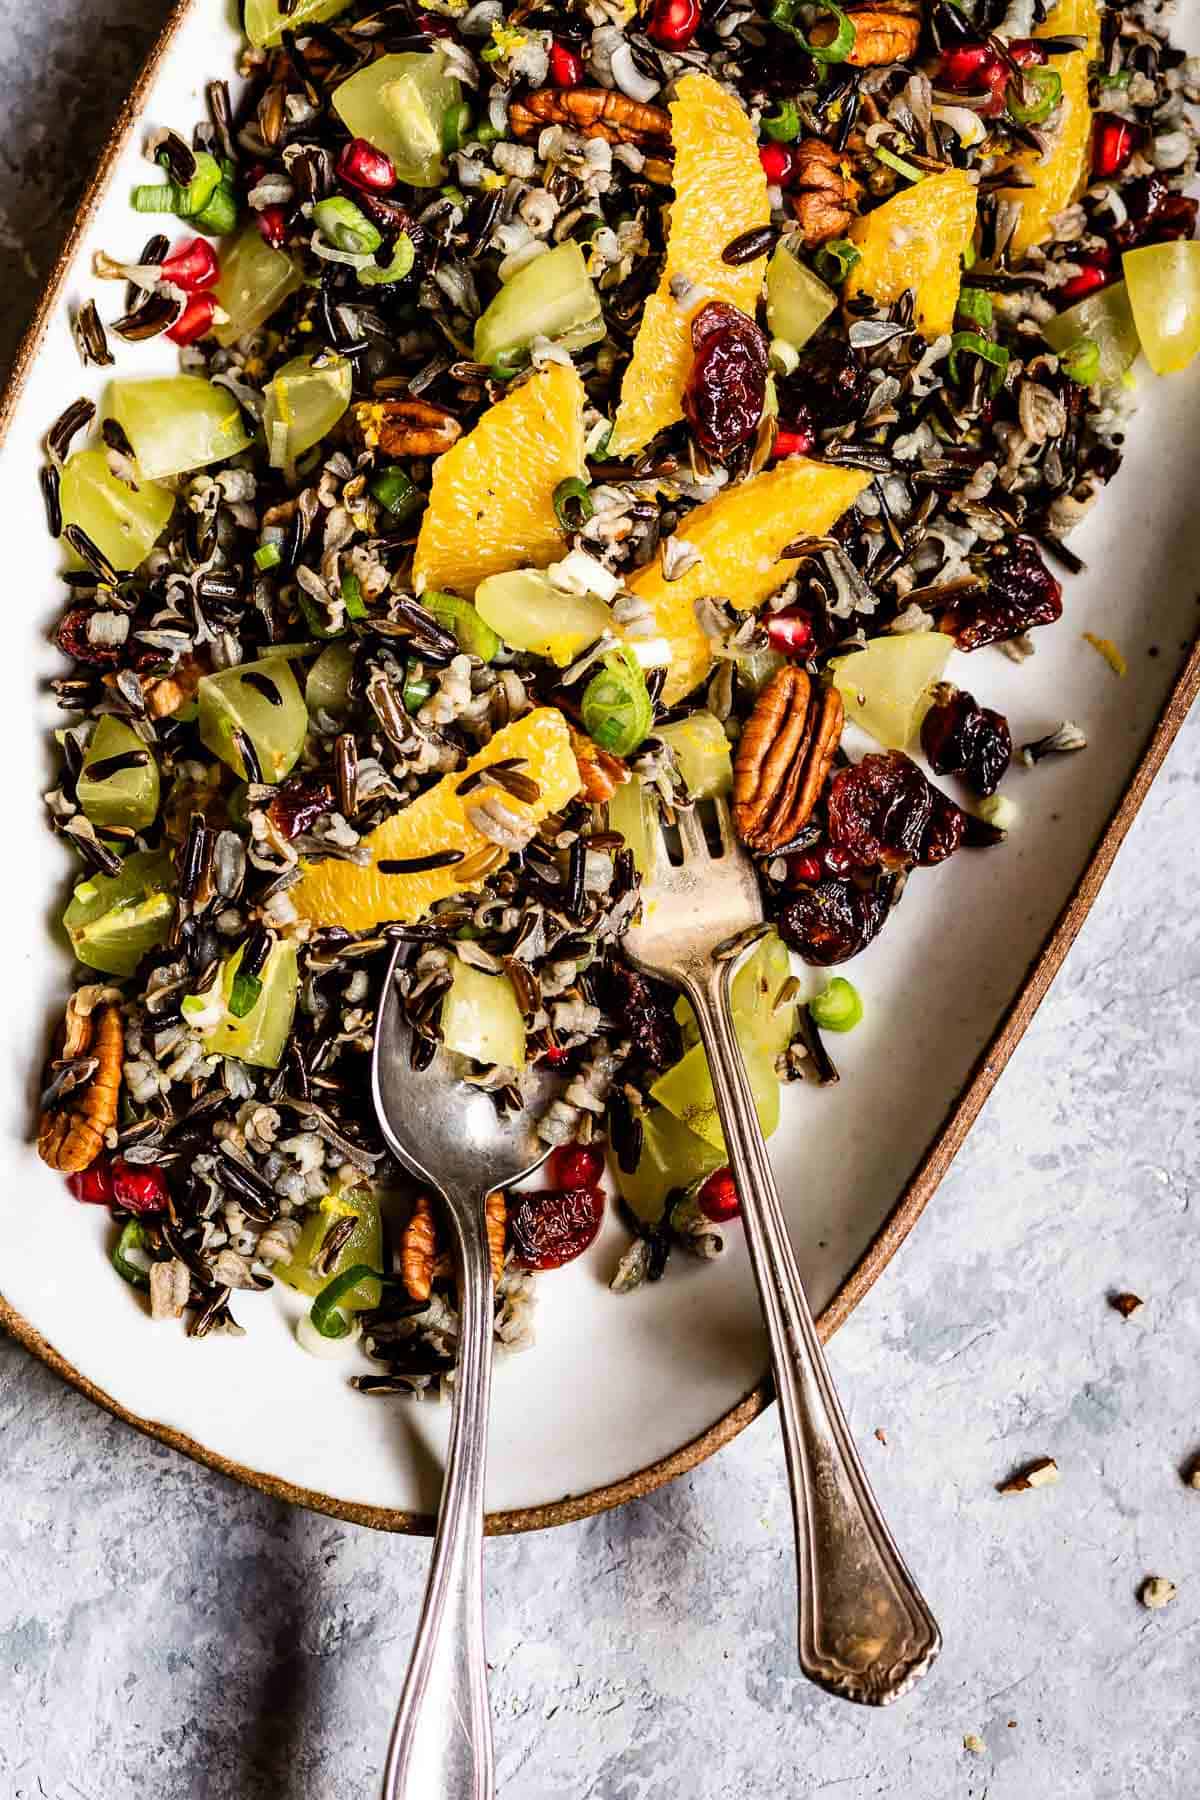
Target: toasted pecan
{"type": "Point", "coordinates": [495, 1216]}
{"type": "Point", "coordinates": [407, 427]}
{"type": "Point", "coordinates": [418, 1249]}
{"type": "Point", "coordinates": [600, 773]}
{"type": "Point", "coordinates": [590, 112]}
{"type": "Point", "coordinates": [71, 1136]}
{"type": "Point", "coordinates": [784, 758]}
{"type": "Point", "coordinates": [820, 193]}
{"type": "Point", "coordinates": [882, 34]}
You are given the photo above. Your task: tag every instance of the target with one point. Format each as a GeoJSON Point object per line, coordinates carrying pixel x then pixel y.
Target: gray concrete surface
{"type": "Point", "coordinates": [164, 1633]}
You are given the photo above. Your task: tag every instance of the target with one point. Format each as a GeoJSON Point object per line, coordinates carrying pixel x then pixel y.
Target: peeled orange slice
{"type": "Point", "coordinates": [720, 192]}
{"type": "Point", "coordinates": [740, 535]}
{"type": "Point", "coordinates": [342, 893]}
{"type": "Point", "coordinates": [492, 503]}
{"type": "Point", "coordinates": [1060, 176]}
{"type": "Point", "coordinates": [916, 240]}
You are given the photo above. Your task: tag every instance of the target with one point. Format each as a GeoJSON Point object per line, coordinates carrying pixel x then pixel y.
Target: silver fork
{"type": "Point", "coordinates": [865, 1631]}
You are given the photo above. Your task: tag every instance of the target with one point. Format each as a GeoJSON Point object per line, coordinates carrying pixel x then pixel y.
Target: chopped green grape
{"type": "Point", "coordinates": [617, 709]}
{"type": "Point", "coordinates": [633, 811]}
{"type": "Point", "coordinates": [304, 402]}
{"type": "Point", "coordinates": [261, 1035]}
{"type": "Point", "coordinates": [552, 297]}
{"type": "Point", "coordinates": [255, 281]}
{"type": "Point", "coordinates": [118, 795]}
{"type": "Point", "coordinates": [886, 687]}
{"type": "Point", "coordinates": [267, 20]}
{"type": "Point", "coordinates": [838, 1007]}
{"type": "Point", "coordinates": [328, 686]}
{"type": "Point", "coordinates": [114, 919]}
{"type": "Point", "coordinates": [177, 422]}
{"type": "Point", "coordinates": [756, 667]}
{"type": "Point", "coordinates": [702, 753]}
{"type": "Point", "coordinates": [481, 1018]}
{"type": "Point", "coordinates": [1104, 318]}
{"type": "Point", "coordinates": [1164, 294]}
{"type": "Point", "coordinates": [364, 1245]}
{"type": "Point", "coordinates": [261, 703]}
{"type": "Point", "coordinates": [672, 1157]}
{"type": "Point", "coordinates": [757, 1018]}
{"type": "Point", "coordinates": [528, 612]}
{"type": "Point", "coordinates": [123, 522]}
{"type": "Point", "coordinates": [398, 103]}
{"type": "Point", "coordinates": [797, 303]}
{"type": "Point", "coordinates": [687, 1091]}
{"type": "Point", "coordinates": [471, 630]}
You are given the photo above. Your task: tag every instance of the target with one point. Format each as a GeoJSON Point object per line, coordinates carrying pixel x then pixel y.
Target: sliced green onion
{"type": "Point", "coordinates": [617, 710]}
{"type": "Point", "coordinates": [382, 275]}
{"type": "Point", "coordinates": [326, 1314]}
{"type": "Point", "coordinates": [352, 597]}
{"type": "Point", "coordinates": [417, 689]}
{"type": "Point", "coordinates": [784, 124]}
{"type": "Point", "coordinates": [977, 345]}
{"type": "Point", "coordinates": [346, 226]}
{"type": "Point", "coordinates": [1081, 362]}
{"type": "Point", "coordinates": [834, 260]}
{"type": "Point", "coordinates": [907, 169]}
{"type": "Point", "coordinates": [1047, 85]}
{"type": "Point", "coordinates": [472, 633]}
{"type": "Point", "coordinates": [456, 122]}
{"type": "Point", "coordinates": [244, 995]}
{"type": "Point", "coordinates": [839, 1008]}
{"type": "Point", "coordinates": [1121, 79]}
{"type": "Point", "coordinates": [220, 216]}
{"type": "Point", "coordinates": [783, 12]}
{"type": "Point", "coordinates": [268, 556]}
{"type": "Point", "coordinates": [133, 1237]}
{"type": "Point", "coordinates": [453, 193]}
{"type": "Point", "coordinates": [395, 491]}
{"type": "Point", "coordinates": [976, 305]}
{"type": "Point", "coordinates": [573, 503]}
{"type": "Point", "coordinates": [157, 198]}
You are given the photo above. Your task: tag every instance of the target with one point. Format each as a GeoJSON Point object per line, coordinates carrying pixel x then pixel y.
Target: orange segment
{"type": "Point", "coordinates": [916, 240]}
{"type": "Point", "coordinates": [739, 536]}
{"type": "Point", "coordinates": [492, 502]}
{"type": "Point", "coordinates": [1060, 176]}
{"type": "Point", "coordinates": [1074, 18]}
{"type": "Point", "coordinates": [340, 893]}
{"type": "Point", "coordinates": [720, 191]}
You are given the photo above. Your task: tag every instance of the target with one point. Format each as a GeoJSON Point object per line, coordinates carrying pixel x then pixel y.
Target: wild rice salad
{"type": "Point", "coordinates": [583, 411]}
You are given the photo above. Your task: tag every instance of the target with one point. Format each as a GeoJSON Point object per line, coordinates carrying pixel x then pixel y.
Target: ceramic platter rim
{"type": "Point", "coordinates": [917, 1190]}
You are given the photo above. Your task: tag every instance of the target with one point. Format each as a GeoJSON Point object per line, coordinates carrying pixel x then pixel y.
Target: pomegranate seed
{"type": "Point", "coordinates": [195, 321]}
{"type": "Point", "coordinates": [434, 27]}
{"type": "Point", "coordinates": [566, 66]}
{"type": "Point", "coordinates": [272, 223]}
{"type": "Point", "coordinates": [790, 632]}
{"type": "Point", "coordinates": [1095, 272]}
{"type": "Point", "coordinates": [554, 1228]}
{"type": "Point", "coordinates": [192, 265]}
{"type": "Point", "coordinates": [837, 862]}
{"type": "Point", "coordinates": [673, 23]}
{"type": "Point", "coordinates": [555, 1055]}
{"type": "Point", "coordinates": [93, 1186]}
{"type": "Point", "coordinates": [364, 167]}
{"type": "Point", "coordinates": [969, 68]}
{"type": "Point", "coordinates": [777, 162]}
{"type": "Point", "coordinates": [791, 443]}
{"type": "Point", "coordinates": [140, 1189]}
{"type": "Point", "coordinates": [718, 1198]}
{"type": "Point", "coordinates": [576, 1166]}
{"type": "Point", "coordinates": [1114, 143]}
{"type": "Point", "coordinates": [1027, 53]}
{"type": "Point", "coordinates": [805, 868]}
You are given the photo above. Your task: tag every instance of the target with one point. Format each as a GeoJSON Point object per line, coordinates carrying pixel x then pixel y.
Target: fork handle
{"type": "Point", "coordinates": [441, 1746]}
{"type": "Point", "coordinates": [865, 1632]}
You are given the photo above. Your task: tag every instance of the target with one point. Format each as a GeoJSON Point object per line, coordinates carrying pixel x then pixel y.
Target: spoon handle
{"type": "Point", "coordinates": [865, 1632]}
{"type": "Point", "coordinates": [441, 1746]}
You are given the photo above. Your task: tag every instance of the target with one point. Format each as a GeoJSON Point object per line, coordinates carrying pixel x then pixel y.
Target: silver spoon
{"type": "Point", "coordinates": [441, 1746]}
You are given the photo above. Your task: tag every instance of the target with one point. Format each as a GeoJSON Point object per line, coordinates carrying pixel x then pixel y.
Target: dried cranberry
{"type": "Point", "coordinates": [1095, 272]}
{"type": "Point", "coordinates": [791, 443]}
{"type": "Point", "coordinates": [195, 321]}
{"type": "Point", "coordinates": [943, 834]}
{"type": "Point", "coordinates": [1154, 213]}
{"type": "Point", "coordinates": [72, 639]}
{"type": "Point", "coordinates": [835, 861]}
{"type": "Point", "coordinates": [790, 632]}
{"type": "Point", "coordinates": [962, 738]}
{"type": "Point", "coordinates": [1019, 592]}
{"type": "Point", "coordinates": [724, 396]}
{"type": "Point", "coordinates": [777, 163]}
{"type": "Point", "coordinates": [829, 386]}
{"type": "Point", "coordinates": [298, 804]}
{"type": "Point", "coordinates": [879, 808]}
{"type": "Point", "coordinates": [576, 1166]}
{"type": "Point", "coordinates": [192, 266]}
{"type": "Point", "coordinates": [93, 1186]}
{"type": "Point", "coordinates": [831, 922]}
{"type": "Point", "coordinates": [718, 1199]}
{"type": "Point", "coordinates": [139, 1188]}
{"type": "Point", "coordinates": [1114, 141]}
{"type": "Point", "coordinates": [272, 224]}
{"type": "Point", "coordinates": [566, 66]}
{"type": "Point", "coordinates": [361, 165]}
{"type": "Point", "coordinates": [555, 1227]}
{"type": "Point", "coordinates": [673, 23]}
{"type": "Point", "coordinates": [646, 1014]}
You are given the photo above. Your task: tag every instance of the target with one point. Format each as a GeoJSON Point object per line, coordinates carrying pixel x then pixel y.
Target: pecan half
{"type": "Point", "coordinates": [600, 774]}
{"type": "Point", "coordinates": [407, 427]}
{"type": "Point", "coordinates": [495, 1218]}
{"type": "Point", "coordinates": [165, 694]}
{"type": "Point", "coordinates": [591, 112]}
{"type": "Point", "coordinates": [882, 34]}
{"type": "Point", "coordinates": [820, 194]}
{"type": "Point", "coordinates": [784, 758]}
{"type": "Point", "coordinates": [418, 1249]}
{"type": "Point", "coordinates": [71, 1137]}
